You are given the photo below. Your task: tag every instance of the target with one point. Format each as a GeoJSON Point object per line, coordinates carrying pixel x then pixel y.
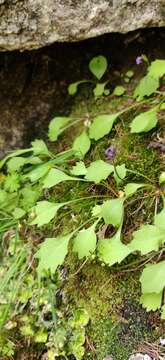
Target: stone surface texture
{"type": "Point", "coordinates": [140, 357]}
{"type": "Point", "coordinates": [30, 24]}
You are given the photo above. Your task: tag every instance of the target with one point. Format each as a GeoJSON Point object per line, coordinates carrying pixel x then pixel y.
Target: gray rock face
{"type": "Point", "coordinates": [29, 24]}
{"type": "Point", "coordinates": [140, 357]}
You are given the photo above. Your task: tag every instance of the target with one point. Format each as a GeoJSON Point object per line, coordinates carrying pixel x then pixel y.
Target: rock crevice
{"type": "Point", "coordinates": [30, 24]}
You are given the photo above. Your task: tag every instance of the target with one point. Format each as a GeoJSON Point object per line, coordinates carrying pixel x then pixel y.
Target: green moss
{"type": "Point", "coordinates": [118, 323]}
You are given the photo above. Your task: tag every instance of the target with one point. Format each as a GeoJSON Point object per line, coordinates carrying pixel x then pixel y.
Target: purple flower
{"type": "Point", "coordinates": [110, 153]}
{"type": "Point", "coordinates": [138, 60]}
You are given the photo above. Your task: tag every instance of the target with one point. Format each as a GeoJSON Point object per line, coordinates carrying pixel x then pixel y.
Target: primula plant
{"type": "Point", "coordinates": [36, 195]}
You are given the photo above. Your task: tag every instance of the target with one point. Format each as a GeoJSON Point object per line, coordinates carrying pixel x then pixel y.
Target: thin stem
{"type": "Point", "coordinates": [85, 198]}
{"type": "Point", "coordinates": [140, 174]}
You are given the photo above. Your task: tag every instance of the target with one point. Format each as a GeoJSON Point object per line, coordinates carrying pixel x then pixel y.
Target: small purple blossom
{"type": "Point", "coordinates": [139, 60]}
{"type": "Point", "coordinates": [110, 153]}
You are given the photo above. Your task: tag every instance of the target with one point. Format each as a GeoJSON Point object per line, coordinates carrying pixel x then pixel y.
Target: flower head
{"type": "Point", "coordinates": [110, 153]}
{"type": "Point", "coordinates": [139, 60]}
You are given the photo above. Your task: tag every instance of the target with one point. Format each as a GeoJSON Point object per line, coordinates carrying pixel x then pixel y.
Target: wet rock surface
{"type": "Point", "coordinates": [29, 24]}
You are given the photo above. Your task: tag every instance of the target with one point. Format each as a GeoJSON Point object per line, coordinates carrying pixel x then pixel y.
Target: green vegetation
{"type": "Point", "coordinates": [69, 217]}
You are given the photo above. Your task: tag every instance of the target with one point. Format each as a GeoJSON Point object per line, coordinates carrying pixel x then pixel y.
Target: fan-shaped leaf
{"type": "Point", "coordinates": [148, 238]}
{"type": "Point", "coordinates": [81, 144]}
{"type": "Point", "coordinates": [39, 147]}
{"type": "Point", "coordinates": [98, 170]}
{"type": "Point", "coordinates": [102, 125]}
{"type": "Point", "coordinates": [131, 188]}
{"type": "Point", "coordinates": [146, 87]}
{"type": "Point", "coordinates": [79, 169]}
{"type": "Point", "coordinates": [112, 251]}
{"type": "Point", "coordinates": [56, 127]}
{"type": "Point", "coordinates": [157, 68]}
{"type": "Point", "coordinates": [85, 242]}
{"type": "Point", "coordinates": [38, 172]}
{"type": "Point", "coordinates": [152, 301]}
{"type": "Point", "coordinates": [54, 177]}
{"type": "Point", "coordinates": [112, 211]}
{"type": "Point", "coordinates": [144, 122]}
{"type": "Point", "coordinates": [153, 278]}
{"type": "Point", "coordinates": [52, 253]}
{"type": "Point", "coordinates": [45, 211]}
{"type": "Point", "coordinates": [160, 219]}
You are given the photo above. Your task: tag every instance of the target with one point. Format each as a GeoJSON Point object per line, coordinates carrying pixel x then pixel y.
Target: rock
{"type": "Point", "coordinates": [30, 24]}
{"type": "Point", "coordinates": [140, 357]}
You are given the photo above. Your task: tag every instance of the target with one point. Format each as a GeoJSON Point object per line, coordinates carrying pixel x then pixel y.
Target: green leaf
{"type": "Point", "coordinates": [12, 182]}
{"type": "Point", "coordinates": [119, 91]}
{"type": "Point", "coordinates": [98, 66]}
{"type": "Point", "coordinates": [98, 170]}
{"type": "Point", "coordinates": [55, 176]}
{"type": "Point", "coordinates": [79, 169]}
{"type": "Point", "coordinates": [39, 147]}
{"type": "Point", "coordinates": [148, 238]}
{"type": "Point", "coordinates": [120, 172]}
{"type": "Point", "coordinates": [152, 301]}
{"type": "Point", "coordinates": [81, 144]}
{"type": "Point", "coordinates": [162, 106]}
{"type": "Point", "coordinates": [18, 213]}
{"type": "Point", "coordinates": [162, 178]}
{"type": "Point", "coordinates": [112, 251]}
{"type": "Point", "coordinates": [80, 319]}
{"type": "Point", "coordinates": [39, 172]}
{"type": "Point", "coordinates": [160, 219]}
{"type": "Point", "coordinates": [106, 92]}
{"type": "Point", "coordinates": [26, 330]}
{"type": "Point", "coordinates": [73, 88]}
{"type": "Point", "coordinates": [29, 196]}
{"type": "Point", "coordinates": [45, 211]}
{"type": "Point", "coordinates": [52, 253]}
{"type": "Point", "coordinates": [3, 196]}
{"type": "Point", "coordinates": [126, 80]}
{"type": "Point", "coordinates": [84, 243]}
{"type": "Point", "coordinates": [56, 127]}
{"type": "Point", "coordinates": [112, 211]}
{"type": "Point", "coordinates": [146, 87]}
{"type": "Point", "coordinates": [96, 211]}
{"type": "Point", "coordinates": [157, 68]}
{"type": "Point", "coordinates": [8, 202]}
{"type": "Point", "coordinates": [144, 122]}
{"type": "Point", "coordinates": [40, 336]}
{"type": "Point", "coordinates": [129, 74]}
{"type": "Point", "coordinates": [163, 312]}
{"type": "Point", "coordinates": [153, 278]}
{"type": "Point", "coordinates": [99, 89]}
{"type": "Point", "coordinates": [131, 188]}
{"type": "Point", "coordinates": [102, 125]}
{"type": "Point", "coordinates": [13, 154]}
{"type": "Point", "coordinates": [15, 163]}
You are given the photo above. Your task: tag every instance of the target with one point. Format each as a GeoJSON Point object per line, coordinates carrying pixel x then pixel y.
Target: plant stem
{"type": "Point", "coordinates": [140, 174]}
